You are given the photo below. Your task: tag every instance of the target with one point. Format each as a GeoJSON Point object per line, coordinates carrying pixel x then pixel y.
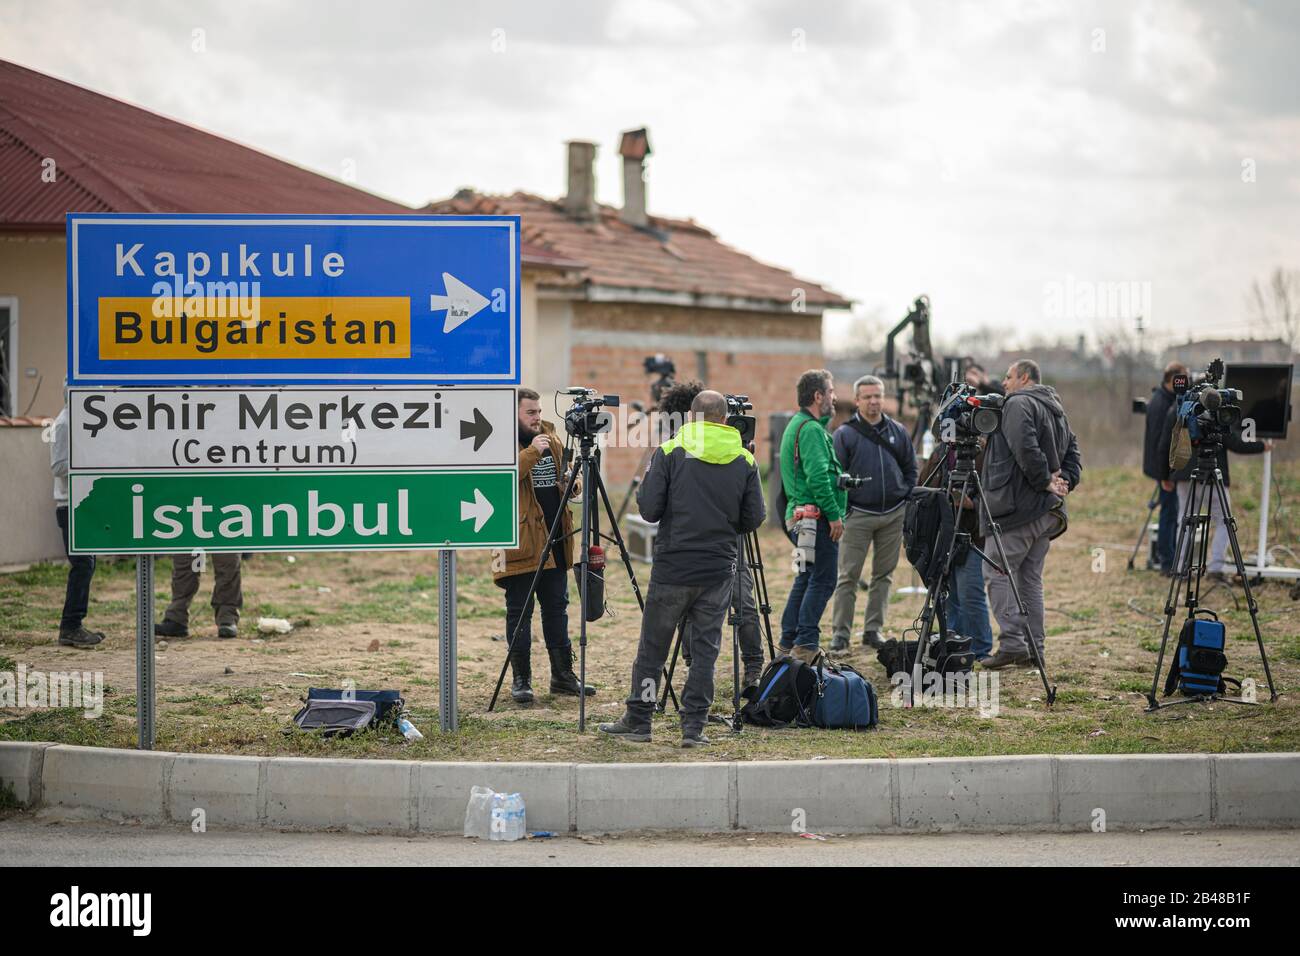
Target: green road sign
{"type": "Point", "coordinates": [159, 513]}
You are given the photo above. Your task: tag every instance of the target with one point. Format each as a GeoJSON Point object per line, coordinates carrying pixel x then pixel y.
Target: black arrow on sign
{"type": "Point", "coordinates": [479, 429]}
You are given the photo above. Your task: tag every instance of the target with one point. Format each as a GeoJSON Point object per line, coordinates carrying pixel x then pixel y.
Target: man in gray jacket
{"type": "Point", "coordinates": [1030, 465]}
{"type": "Point", "coordinates": [873, 446]}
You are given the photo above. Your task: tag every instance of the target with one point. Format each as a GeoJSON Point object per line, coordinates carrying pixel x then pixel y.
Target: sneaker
{"type": "Point", "coordinates": [170, 629]}
{"type": "Point", "coordinates": [873, 639]}
{"type": "Point", "coordinates": [227, 631]}
{"type": "Point", "coordinates": [694, 738]}
{"type": "Point", "coordinates": [625, 731]}
{"type": "Point", "coordinates": [840, 643]}
{"type": "Point", "coordinates": [1003, 659]}
{"type": "Point", "coordinates": [79, 637]}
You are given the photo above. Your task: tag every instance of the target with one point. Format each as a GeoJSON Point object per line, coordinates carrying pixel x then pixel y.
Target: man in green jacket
{"type": "Point", "coordinates": [810, 475]}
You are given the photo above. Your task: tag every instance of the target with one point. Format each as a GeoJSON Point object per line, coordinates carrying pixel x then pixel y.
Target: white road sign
{"type": "Point", "coordinates": [251, 429]}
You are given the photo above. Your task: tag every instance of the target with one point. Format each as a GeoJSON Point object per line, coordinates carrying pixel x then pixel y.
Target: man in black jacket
{"type": "Point", "coordinates": [1157, 468]}
{"type": "Point", "coordinates": [1030, 464]}
{"type": "Point", "coordinates": [873, 446]}
{"type": "Point", "coordinates": [703, 489]}
{"type": "Point", "coordinates": [1179, 482]}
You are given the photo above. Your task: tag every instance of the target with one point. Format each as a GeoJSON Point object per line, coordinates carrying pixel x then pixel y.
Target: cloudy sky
{"type": "Point", "coordinates": [1011, 159]}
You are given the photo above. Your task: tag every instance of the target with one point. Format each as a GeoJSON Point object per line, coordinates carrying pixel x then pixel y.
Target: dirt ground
{"type": "Point", "coordinates": [372, 618]}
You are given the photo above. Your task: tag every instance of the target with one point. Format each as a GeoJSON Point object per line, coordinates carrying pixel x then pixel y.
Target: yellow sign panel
{"type": "Point", "coordinates": [255, 328]}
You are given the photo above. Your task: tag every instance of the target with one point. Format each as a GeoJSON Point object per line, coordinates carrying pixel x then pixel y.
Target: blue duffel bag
{"type": "Point", "coordinates": [846, 699]}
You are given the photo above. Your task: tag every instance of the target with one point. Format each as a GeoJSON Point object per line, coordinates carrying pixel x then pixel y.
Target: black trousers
{"type": "Point", "coordinates": [553, 592]}
{"type": "Point", "coordinates": [76, 601]}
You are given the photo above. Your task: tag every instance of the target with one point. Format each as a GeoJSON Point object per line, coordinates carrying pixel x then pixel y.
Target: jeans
{"type": "Point", "coordinates": [705, 609]}
{"type": "Point", "coordinates": [811, 591]}
{"type": "Point", "coordinates": [751, 635]}
{"type": "Point", "coordinates": [553, 592]}
{"type": "Point", "coordinates": [1167, 535]}
{"type": "Point", "coordinates": [967, 612]}
{"type": "Point", "coordinates": [76, 600]}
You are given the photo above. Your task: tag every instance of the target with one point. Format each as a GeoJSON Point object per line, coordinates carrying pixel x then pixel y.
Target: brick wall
{"type": "Point", "coordinates": [728, 360]}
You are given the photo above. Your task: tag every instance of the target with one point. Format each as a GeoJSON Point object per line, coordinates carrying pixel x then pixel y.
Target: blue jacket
{"type": "Point", "coordinates": [890, 483]}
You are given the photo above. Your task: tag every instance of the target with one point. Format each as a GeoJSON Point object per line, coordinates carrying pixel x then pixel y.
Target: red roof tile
{"type": "Point", "coordinates": [672, 255]}
{"type": "Point", "coordinates": [110, 156]}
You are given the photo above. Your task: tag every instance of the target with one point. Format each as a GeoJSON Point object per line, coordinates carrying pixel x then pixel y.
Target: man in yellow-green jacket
{"type": "Point", "coordinates": [703, 489]}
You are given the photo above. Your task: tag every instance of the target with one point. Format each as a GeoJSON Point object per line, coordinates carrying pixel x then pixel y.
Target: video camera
{"type": "Point", "coordinates": [584, 419]}
{"type": "Point", "coordinates": [1207, 411]}
{"type": "Point", "coordinates": [965, 416]}
{"type": "Point", "coordinates": [747, 425]}
{"type": "Point", "coordinates": [661, 365]}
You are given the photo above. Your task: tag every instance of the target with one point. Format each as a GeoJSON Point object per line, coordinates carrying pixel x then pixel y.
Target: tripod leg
{"type": "Point", "coordinates": [588, 504]}
{"type": "Point", "coordinates": [1230, 524]}
{"type": "Point", "coordinates": [761, 600]}
{"type": "Point", "coordinates": [672, 667]}
{"type": "Point", "coordinates": [551, 537]}
{"type": "Point", "coordinates": [1182, 566]}
{"type": "Point", "coordinates": [1146, 524]}
{"type": "Point", "coordinates": [617, 536]}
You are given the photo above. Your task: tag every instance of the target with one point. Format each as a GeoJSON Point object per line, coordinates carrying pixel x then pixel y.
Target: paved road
{"type": "Point", "coordinates": [36, 841]}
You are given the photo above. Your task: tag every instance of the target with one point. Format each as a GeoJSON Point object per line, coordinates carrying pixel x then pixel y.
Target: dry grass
{"type": "Point", "coordinates": [1103, 628]}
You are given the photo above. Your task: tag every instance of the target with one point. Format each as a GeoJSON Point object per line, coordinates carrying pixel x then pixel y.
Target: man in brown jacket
{"type": "Point", "coordinates": [540, 486]}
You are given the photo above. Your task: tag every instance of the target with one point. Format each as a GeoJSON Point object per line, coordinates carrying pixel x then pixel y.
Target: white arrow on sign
{"type": "Point", "coordinates": [461, 302]}
{"type": "Point", "coordinates": [480, 509]}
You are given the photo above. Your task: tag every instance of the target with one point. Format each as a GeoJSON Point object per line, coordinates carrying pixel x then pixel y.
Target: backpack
{"type": "Point", "coordinates": [847, 700]}
{"type": "Point", "coordinates": [1198, 661]}
{"type": "Point", "coordinates": [927, 528]}
{"type": "Point", "coordinates": [785, 695]}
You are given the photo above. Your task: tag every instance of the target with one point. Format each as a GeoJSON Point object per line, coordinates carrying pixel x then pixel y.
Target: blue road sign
{"type": "Point", "coordinates": [161, 299]}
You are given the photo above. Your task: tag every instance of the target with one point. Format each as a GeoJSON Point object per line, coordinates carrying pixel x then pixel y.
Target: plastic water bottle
{"type": "Point", "coordinates": [408, 729]}
{"type": "Point", "coordinates": [516, 824]}
{"type": "Point", "coordinates": [478, 814]}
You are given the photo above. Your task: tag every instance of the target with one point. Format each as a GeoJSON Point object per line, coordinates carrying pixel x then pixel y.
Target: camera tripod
{"type": "Point", "coordinates": [1144, 531]}
{"type": "Point", "coordinates": [1206, 487]}
{"type": "Point", "coordinates": [749, 556]}
{"type": "Point", "coordinates": [586, 469]}
{"type": "Point", "coordinates": [962, 477]}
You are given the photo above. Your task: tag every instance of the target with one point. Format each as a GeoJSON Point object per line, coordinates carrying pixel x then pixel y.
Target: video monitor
{"type": "Point", "coordinates": [1265, 394]}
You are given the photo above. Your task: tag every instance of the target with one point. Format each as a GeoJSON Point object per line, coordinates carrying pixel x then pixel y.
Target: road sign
{"type": "Point", "coordinates": [209, 299]}
{"type": "Point", "coordinates": [337, 510]}
{"type": "Point", "coordinates": [198, 429]}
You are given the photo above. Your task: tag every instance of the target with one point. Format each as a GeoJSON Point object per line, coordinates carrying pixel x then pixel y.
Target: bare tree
{"type": "Point", "coordinates": [1276, 305]}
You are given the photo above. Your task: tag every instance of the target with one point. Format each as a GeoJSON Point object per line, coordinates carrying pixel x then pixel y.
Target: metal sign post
{"type": "Point", "coordinates": [447, 713]}
{"type": "Point", "coordinates": [144, 652]}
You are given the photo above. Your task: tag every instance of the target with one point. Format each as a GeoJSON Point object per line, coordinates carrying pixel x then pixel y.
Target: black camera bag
{"type": "Point", "coordinates": [927, 528]}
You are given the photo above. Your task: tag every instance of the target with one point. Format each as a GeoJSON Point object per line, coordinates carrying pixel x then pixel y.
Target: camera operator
{"type": "Point", "coordinates": [540, 488]}
{"type": "Point", "coordinates": [675, 404]}
{"type": "Point", "coordinates": [703, 489]}
{"type": "Point", "coordinates": [871, 445]}
{"type": "Point", "coordinates": [977, 378]}
{"type": "Point", "coordinates": [1156, 466]}
{"type": "Point", "coordinates": [809, 474]}
{"type": "Point", "coordinates": [1030, 464]}
{"type": "Point", "coordinates": [1179, 482]}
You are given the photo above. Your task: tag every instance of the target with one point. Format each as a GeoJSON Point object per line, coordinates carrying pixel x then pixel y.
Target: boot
{"type": "Point", "coordinates": [808, 653]}
{"type": "Point", "coordinates": [521, 681]}
{"type": "Point", "coordinates": [563, 680]}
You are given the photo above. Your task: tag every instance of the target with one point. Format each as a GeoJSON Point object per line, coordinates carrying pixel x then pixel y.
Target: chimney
{"type": "Point", "coordinates": [634, 148]}
{"type": "Point", "coordinates": [580, 201]}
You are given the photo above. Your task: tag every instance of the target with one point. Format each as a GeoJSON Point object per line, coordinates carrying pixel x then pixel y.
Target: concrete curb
{"type": "Point", "coordinates": [1039, 792]}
